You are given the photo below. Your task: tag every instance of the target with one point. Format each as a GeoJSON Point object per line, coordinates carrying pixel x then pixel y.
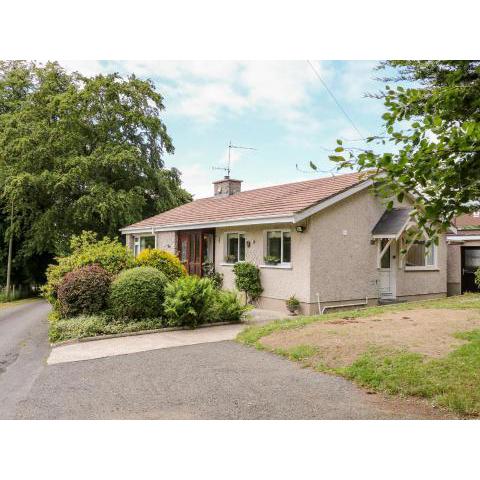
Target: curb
{"type": "Point", "coordinates": [140, 332]}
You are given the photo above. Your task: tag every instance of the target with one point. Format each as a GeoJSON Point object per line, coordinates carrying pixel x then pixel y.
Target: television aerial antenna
{"type": "Point", "coordinates": [228, 168]}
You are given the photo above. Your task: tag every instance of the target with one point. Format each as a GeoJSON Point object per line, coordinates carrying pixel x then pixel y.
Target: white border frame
{"type": "Point", "coordinates": [225, 247]}
{"type": "Point", "coordinates": [284, 265]}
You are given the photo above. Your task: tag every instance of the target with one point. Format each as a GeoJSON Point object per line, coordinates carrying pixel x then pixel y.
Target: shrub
{"type": "Point", "coordinates": [138, 293]}
{"type": "Point", "coordinates": [215, 277]}
{"type": "Point", "coordinates": [226, 307]}
{"type": "Point", "coordinates": [247, 279]}
{"type": "Point", "coordinates": [293, 304]}
{"type": "Point", "coordinates": [165, 262]}
{"type": "Point", "coordinates": [87, 250]}
{"type": "Point", "coordinates": [189, 301]}
{"type": "Point", "coordinates": [84, 290]}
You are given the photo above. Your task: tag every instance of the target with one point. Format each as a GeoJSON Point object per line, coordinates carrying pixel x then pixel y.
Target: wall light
{"type": "Point", "coordinates": [300, 228]}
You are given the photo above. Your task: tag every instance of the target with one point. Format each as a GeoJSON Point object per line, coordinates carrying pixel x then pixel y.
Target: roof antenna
{"type": "Point", "coordinates": [228, 167]}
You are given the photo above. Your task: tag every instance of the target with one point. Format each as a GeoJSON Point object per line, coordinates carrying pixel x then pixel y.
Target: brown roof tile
{"type": "Point", "coordinates": [286, 199]}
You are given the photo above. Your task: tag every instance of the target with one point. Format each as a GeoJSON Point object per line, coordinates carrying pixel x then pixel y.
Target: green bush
{"type": "Point", "coordinates": [138, 293]}
{"type": "Point", "coordinates": [226, 307]}
{"type": "Point", "coordinates": [215, 277]}
{"type": "Point", "coordinates": [87, 250]}
{"type": "Point", "coordinates": [84, 291]}
{"type": "Point", "coordinates": [189, 301]}
{"type": "Point", "coordinates": [166, 262]}
{"type": "Point", "coordinates": [93, 325]}
{"type": "Point", "coordinates": [247, 279]}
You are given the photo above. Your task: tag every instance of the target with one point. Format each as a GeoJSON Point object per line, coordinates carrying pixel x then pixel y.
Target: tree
{"type": "Point", "coordinates": [434, 124]}
{"type": "Point", "coordinates": [78, 153]}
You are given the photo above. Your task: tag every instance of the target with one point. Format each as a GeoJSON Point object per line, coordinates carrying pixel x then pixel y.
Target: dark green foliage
{"type": "Point", "coordinates": [138, 293]}
{"type": "Point", "coordinates": [432, 123]}
{"type": "Point", "coordinates": [87, 250]}
{"type": "Point", "coordinates": [215, 277]}
{"type": "Point", "coordinates": [189, 301]}
{"type": "Point", "coordinates": [77, 153]}
{"type": "Point", "coordinates": [84, 291]}
{"type": "Point", "coordinates": [226, 307]}
{"type": "Point", "coordinates": [247, 279]}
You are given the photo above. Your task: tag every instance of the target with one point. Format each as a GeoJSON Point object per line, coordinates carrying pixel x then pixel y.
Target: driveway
{"type": "Point", "coordinates": [221, 380]}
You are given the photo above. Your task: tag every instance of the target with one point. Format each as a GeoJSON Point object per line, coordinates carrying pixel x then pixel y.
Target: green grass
{"type": "Point", "coordinates": [252, 335]}
{"type": "Point", "coordinates": [62, 329]}
{"type": "Point", "coordinates": [452, 382]}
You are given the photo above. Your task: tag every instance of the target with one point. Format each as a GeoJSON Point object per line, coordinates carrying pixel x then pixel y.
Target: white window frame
{"type": "Point", "coordinates": [476, 214]}
{"type": "Point", "coordinates": [136, 242]}
{"type": "Point", "coordinates": [282, 264]}
{"type": "Point", "coordinates": [225, 247]}
{"type": "Point", "coordinates": [425, 267]}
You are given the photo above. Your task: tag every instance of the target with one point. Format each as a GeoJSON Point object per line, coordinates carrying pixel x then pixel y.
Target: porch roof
{"type": "Point", "coordinates": [392, 223]}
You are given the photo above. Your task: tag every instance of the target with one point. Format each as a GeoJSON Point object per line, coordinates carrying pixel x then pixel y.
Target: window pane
{"type": "Point", "coordinates": [430, 258]}
{"type": "Point", "coordinates": [232, 247]}
{"type": "Point", "coordinates": [242, 247]}
{"type": "Point", "coordinates": [472, 257]}
{"type": "Point", "coordinates": [274, 242]}
{"type": "Point", "coordinates": [385, 260]}
{"type": "Point", "coordinates": [416, 255]}
{"type": "Point", "coordinates": [147, 242]}
{"type": "Point", "coordinates": [287, 247]}
{"type": "Point", "coordinates": [183, 250]}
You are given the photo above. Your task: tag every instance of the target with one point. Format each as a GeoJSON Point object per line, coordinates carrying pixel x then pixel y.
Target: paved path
{"type": "Point", "coordinates": [24, 349]}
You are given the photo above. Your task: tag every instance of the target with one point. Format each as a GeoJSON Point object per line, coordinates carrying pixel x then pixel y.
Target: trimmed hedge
{"type": "Point", "coordinates": [247, 279]}
{"type": "Point", "coordinates": [164, 261]}
{"type": "Point", "coordinates": [138, 293]}
{"type": "Point", "coordinates": [84, 291]}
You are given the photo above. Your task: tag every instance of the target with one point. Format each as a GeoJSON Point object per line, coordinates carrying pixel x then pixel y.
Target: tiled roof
{"type": "Point", "coordinates": [279, 200]}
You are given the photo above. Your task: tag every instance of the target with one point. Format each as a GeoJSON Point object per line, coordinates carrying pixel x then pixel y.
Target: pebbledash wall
{"type": "Point", "coordinates": [334, 258]}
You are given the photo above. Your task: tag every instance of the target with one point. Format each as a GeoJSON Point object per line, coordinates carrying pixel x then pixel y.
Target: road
{"type": "Point", "coordinates": [24, 349]}
{"type": "Point", "coordinates": [222, 380]}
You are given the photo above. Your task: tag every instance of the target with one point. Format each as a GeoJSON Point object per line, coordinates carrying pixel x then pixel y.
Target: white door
{"type": "Point", "coordinates": [387, 271]}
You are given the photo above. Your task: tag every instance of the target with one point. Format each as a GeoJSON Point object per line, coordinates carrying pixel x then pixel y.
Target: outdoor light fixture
{"type": "Point", "coordinates": [300, 228]}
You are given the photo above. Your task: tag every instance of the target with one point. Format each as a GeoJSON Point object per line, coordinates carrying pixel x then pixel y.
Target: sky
{"type": "Point", "coordinates": [279, 108]}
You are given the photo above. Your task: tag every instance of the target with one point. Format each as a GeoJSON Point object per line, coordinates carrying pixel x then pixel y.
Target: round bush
{"type": "Point", "coordinates": [164, 261]}
{"type": "Point", "coordinates": [138, 293]}
{"type": "Point", "coordinates": [84, 291]}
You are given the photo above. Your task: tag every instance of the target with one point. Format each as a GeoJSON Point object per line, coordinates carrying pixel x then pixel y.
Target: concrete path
{"type": "Point", "coordinates": [24, 349]}
{"type": "Point", "coordinates": [110, 347]}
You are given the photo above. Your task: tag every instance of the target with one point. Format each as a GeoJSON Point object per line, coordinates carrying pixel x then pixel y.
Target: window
{"type": "Point", "coordinates": [279, 246]}
{"type": "Point", "coordinates": [421, 256]}
{"type": "Point", "coordinates": [235, 248]}
{"type": "Point", "coordinates": [141, 243]}
{"type": "Point", "coordinates": [385, 260]}
{"type": "Point", "coordinates": [476, 214]}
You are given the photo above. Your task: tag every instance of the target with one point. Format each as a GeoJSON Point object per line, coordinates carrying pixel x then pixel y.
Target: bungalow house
{"type": "Point", "coordinates": [329, 241]}
{"type": "Point", "coordinates": [463, 254]}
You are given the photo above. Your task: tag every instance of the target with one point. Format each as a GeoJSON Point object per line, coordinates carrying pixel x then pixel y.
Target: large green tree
{"type": "Point", "coordinates": [78, 153]}
{"type": "Point", "coordinates": [432, 122]}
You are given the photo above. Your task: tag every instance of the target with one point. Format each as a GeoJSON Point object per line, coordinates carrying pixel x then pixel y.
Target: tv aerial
{"type": "Point", "coordinates": [228, 167]}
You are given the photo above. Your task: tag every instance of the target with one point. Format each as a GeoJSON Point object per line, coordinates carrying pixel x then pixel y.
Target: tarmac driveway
{"type": "Point", "coordinates": [221, 380]}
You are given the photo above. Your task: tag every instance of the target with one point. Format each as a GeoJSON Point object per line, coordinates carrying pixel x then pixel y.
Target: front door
{"type": "Point", "coordinates": [194, 249]}
{"type": "Point", "coordinates": [387, 286]}
{"type": "Point", "coordinates": [470, 263]}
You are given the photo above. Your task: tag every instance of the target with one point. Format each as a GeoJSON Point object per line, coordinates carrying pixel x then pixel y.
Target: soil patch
{"type": "Point", "coordinates": [341, 341]}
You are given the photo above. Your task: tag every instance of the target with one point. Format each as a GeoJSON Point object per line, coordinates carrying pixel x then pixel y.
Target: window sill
{"type": "Point", "coordinates": [422, 269]}
{"type": "Point", "coordinates": [284, 266]}
{"type": "Point", "coordinates": [228, 264]}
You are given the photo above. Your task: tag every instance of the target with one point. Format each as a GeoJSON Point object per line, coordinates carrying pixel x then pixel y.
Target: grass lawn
{"type": "Point", "coordinates": [428, 349]}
